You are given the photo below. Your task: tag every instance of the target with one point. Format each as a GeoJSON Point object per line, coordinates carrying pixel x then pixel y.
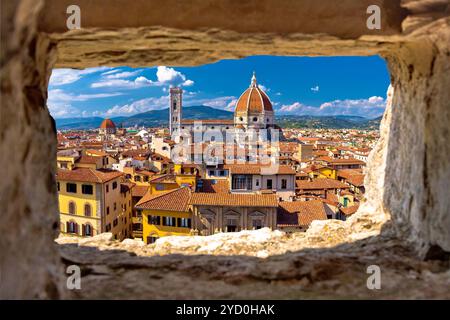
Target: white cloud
{"type": "Point", "coordinates": [188, 83]}
{"type": "Point", "coordinates": [263, 88]}
{"type": "Point", "coordinates": [59, 102]}
{"type": "Point", "coordinates": [63, 110]}
{"type": "Point", "coordinates": [57, 96]}
{"type": "Point", "coordinates": [225, 102]}
{"type": "Point", "coordinates": [138, 106]}
{"type": "Point", "coordinates": [315, 89]}
{"type": "Point", "coordinates": [121, 75]}
{"type": "Point", "coordinates": [165, 77]}
{"type": "Point", "coordinates": [66, 76]}
{"type": "Point", "coordinates": [369, 108]}
{"type": "Point", "coordinates": [139, 82]}
{"type": "Point", "coordinates": [170, 76]}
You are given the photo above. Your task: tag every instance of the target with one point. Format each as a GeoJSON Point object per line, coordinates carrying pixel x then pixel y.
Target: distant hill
{"type": "Point", "coordinates": [154, 118]}
{"type": "Point", "coordinates": [159, 118]}
{"type": "Point", "coordinates": [327, 122]}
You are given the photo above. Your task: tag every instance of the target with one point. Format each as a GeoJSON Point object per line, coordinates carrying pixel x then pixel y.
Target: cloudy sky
{"type": "Point", "coordinates": [295, 85]}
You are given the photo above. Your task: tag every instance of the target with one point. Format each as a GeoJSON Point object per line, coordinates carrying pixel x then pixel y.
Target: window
{"type": "Point", "coordinates": [145, 178]}
{"type": "Point", "coordinates": [283, 184]}
{"type": "Point", "coordinates": [184, 223]}
{"type": "Point", "coordinates": [242, 182]}
{"type": "Point", "coordinates": [71, 187]}
{"type": "Point", "coordinates": [151, 240]}
{"type": "Point", "coordinates": [155, 220]}
{"type": "Point", "coordinates": [222, 173]}
{"type": "Point", "coordinates": [115, 222]}
{"type": "Point", "coordinates": [72, 227]}
{"type": "Point", "coordinates": [87, 210]}
{"type": "Point", "coordinates": [114, 185]}
{"type": "Point", "coordinates": [211, 172]}
{"type": "Point", "coordinates": [257, 224]}
{"type": "Point", "coordinates": [255, 119]}
{"type": "Point", "coordinates": [269, 183]}
{"type": "Point", "coordinates": [137, 227]}
{"type": "Point", "coordinates": [107, 210]}
{"type": "Point", "coordinates": [231, 225]}
{"type": "Point", "coordinates": [169, 221]}
{"type": "Point", "coordinates": [63, 165]}
{"type": "Point", "coordinates": [268, 120]}
{"type": "Point", "coordinates": [72, 208]}
{"type": "Point", "coordinates": [257, 182]}
{"type": "Point", "coordinates": [57, 185]}
{"type": "Point", "coordinates": [87, 189]}
{"type": "Point", "coordinates": [115, 206]}
{"type": "Point", "coordinates": [108, 227]}
{"type": "Point", "coordinates": [107, 188]}
{"type": "Point", "coordinates": [137, 178]}
{"type": "Point", "coordinates": [241, 119]}
{"type": "Point", "coordinates": [159, 187]}
{"type": "Point", "coordinates": [87, 230]}
{"type": "Point", "coordinates": [175, 105]}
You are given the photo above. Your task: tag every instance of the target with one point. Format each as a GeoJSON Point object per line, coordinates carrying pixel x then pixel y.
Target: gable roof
{"type": "Point", "coordinates": [301, 213]}
{"type": "Point", "coordinates": [259, 169]}
{"type": "Point", "coordinates": [87, 175]}
{"type": "Point", "coordinates": [234, 200]}
{"type": "Point", "coordinates": [172, 200]}
{"type": "Point", "coordinates": [319, 184]}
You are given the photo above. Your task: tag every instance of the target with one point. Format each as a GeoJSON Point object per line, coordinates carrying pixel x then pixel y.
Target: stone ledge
{"type": "Point", "coordinates": [328, 261]}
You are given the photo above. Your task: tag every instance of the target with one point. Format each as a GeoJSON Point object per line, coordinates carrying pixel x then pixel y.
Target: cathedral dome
{"type": "Point", "coordinates": [253, 100]}
{"type": "Point", "coordinates": [107, 124]}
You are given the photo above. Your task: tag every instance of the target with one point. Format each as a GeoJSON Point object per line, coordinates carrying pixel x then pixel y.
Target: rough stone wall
{"type": "Point", "coordinates": [416, 191]}
{"type": "Point", "coordinates": [413, 148]}
{"type": "Point", "coordinates": [29, 262]}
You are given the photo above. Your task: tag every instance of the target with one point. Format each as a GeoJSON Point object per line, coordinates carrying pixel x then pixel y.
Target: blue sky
{"type": "Point", "coordinates": [295, 85]}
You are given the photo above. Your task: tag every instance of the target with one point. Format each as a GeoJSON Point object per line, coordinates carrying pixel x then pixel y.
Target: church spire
{"type": "Point", "coordinates": [253, 83]}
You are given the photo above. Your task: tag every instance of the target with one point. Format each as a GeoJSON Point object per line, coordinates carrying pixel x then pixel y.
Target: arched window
{"type": "Point", "coordinates": [87, 210]}
{"type": "Point", "coordinates": [255, 119]}
{"type": "Point", "coordinates": [241, 119]}
{"type": "Point", "coordinates": [72, 208]}
{"type": "Point", "coordinates": [72, 227]}
{"type": "Point", "coordinates": [88, 231]}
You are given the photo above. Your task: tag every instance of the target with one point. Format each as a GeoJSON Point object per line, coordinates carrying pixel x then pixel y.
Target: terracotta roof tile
{"type": "Point", "coordinates": [301, 212]}
{"type": "Point", "coordinates": [320, 183]}
{"type": "Point", "coordinates": [87, 175]}
{"type": "Point", "coordinates": [259, 169]}
{"type": "Point", "coordinates": [172, 200]}
{"type": "Point", "coordinates": [233, 199]}
{"type": "Point", "coordinates": [139, 191]}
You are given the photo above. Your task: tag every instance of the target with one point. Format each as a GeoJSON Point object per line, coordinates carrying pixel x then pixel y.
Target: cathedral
{"type": "Point", "coordinates": [253, 112]}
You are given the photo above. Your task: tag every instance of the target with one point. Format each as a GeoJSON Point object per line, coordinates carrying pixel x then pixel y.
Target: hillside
{"type": "Point", "coordinates": [159, 118]}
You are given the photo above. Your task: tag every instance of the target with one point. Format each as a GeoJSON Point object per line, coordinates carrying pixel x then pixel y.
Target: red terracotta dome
{"type": "Point", "coordinates": [253, 100]}
{"type": "Point", "coordinates": [107, 124]}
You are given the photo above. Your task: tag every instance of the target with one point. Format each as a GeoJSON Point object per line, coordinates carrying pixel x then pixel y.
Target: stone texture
{"type": "Point", "coordinates": [259, 264]}
{"type": "Point", "coordinates": [29, 263]}
{"type": "Point", "coordinates": [406, 211]}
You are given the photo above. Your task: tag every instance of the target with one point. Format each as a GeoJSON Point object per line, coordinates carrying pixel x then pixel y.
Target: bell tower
{"type": "Point", "coordinates": [176, 94]}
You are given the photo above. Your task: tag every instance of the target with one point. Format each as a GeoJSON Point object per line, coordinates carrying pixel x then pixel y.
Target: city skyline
{"type": "Point", "coordinates": [296, 85]}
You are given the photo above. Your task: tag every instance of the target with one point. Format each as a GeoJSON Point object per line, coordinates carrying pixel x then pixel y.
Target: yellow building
{"type": "Point", "coordinates": [165, 214]}
{"type": "Point", "coordinates": [140, 177]}
{"type": "Point", "coordinates": [91, 202]}
{"type": "Point", "coordinates": [327, 172]}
